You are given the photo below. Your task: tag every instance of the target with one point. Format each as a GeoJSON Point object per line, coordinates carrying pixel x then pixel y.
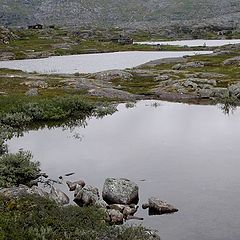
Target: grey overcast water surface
{"type": "Point", "coordinates": [188, 155]}
{"type": "Point", "coordinates": [194, 43]}
{"type": "Point", "coordinates": [90, 63]}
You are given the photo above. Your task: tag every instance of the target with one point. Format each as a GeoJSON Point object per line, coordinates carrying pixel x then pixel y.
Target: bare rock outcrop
{"type": "Point", "coordinates": [21, 191]}
{"type": "Point", "coordinates": [113, 74]}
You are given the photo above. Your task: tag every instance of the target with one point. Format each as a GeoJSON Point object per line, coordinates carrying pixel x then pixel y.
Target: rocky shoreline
{"type": "Point", "coordinates": [118, 200]}
{"type": "Point", "coordinates": [198, 79]}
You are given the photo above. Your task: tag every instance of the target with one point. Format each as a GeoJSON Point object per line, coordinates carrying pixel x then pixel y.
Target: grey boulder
{"type": "Point", "coordinates": [113, 74]}
{"type": "Point", "coordinates": [58, 196]}
{"type": "Point", "coordinates": [21, 191]}
{"type": "Point", "coordinates": [120, 191]}
{"type": "Point", "coordinates": [73, 185]}
{"type": "Point", "coordinates": [234, 90]}
{"type": "Point", "coordinates": [126, 210]}
{"type": "Point", "coordinates": [114, 216]}
{"type": "Point", "coordinates": [86, 196]}
{"type": "Point", "coordinates": [32, 92]}
{"type": "Point", "coordinates": [16, 192]}
{"type": "Point", "coordinates": [183, 66]}
{"type": "Point", "coordinates": [219, 92]}
{"type": "Point", "coordinates": [158, 207]}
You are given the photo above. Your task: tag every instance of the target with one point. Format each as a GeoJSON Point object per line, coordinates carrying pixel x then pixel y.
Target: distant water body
{"type": "Point", "coordinates": [194, 43]}
{"type": "Point", "coordinates": [90, 63]}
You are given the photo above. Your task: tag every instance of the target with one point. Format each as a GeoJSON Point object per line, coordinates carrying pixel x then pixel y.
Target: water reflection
{"type": "Point", "coordinates": [229, 105]}
{"type": "Point", "coordinates": [228, 108]}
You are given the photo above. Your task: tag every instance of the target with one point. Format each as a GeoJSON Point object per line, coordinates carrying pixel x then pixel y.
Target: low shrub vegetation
{"type": "Point", "coordinates": [37, 218]}
{"type": "Point", "coordinates": [17, 169]}
{"type": "Point", "coordinates": [54, 109]}
{"type": "Point", "coordinates": [33, 217]}
{"type": "Point", "coordinates": [6, 133]}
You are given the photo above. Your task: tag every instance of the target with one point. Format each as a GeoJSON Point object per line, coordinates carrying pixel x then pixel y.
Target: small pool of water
{"type": "Point", "coordinates": [187, 155]}
{"type": "Point", "coordinates": [194, 43]}
{"type": "Point", "coordinates": [90, 63]}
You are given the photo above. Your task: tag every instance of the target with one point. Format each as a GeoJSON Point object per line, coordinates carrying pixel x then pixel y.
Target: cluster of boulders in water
{"type": "Point", "coordinates": [119, 198]}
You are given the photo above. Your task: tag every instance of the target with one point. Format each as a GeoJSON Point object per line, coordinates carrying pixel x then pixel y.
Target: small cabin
{"type": "Point", "coordinates": [122, 39]}
{"type": "Point", "coordinates": [36, 26]}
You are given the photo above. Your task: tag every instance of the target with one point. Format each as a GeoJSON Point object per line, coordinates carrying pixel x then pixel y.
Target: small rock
{"type": "Point", "coordinates": [163, 77]}
{"type": "Point", "coordinates": [145, 206]}
{"type": "Point", "coordinates": [32, 92]}
{"type": "Point", "coordinates": [42, 174]}
{"type": "Point", "coordinates": [36, 84]}
{"type": "Point", "coordinates": [232, 61]}
{"type": "Point", "coordinates": [86, 196]}
{"type": "Point", "coordinates": [158, 207]}
{"type": "Point", "coordinates": [201, 82]}
{"type": "Point", "coordinates": [59, 196]}
{"type": "Point", "coordinates": [205, 93]}
{"type": "Point", "coordinates": [100, 203]}
{"type": "Point", "coordinates": [190, 84]}
{"type": "Point", "coordinates": [129, 211]}
{"type": "Point", "coordinates": [113, 74]}
{"type": "Point", "coordinates": [73, 185]}
{"type": "Point", "coordinates": [118, 207]}
{"type": "Point", "coordinates": [194, 65]}
{"type": "Point", "coordinates": [211, 75]}
{"type": "Point", "coordinates": [77, 189]}
{"type": "Point", "coordinates": [111, 93]}
{"type": "Point", "coordinates": [188, 65]}
{"type": "Point", "coordinates": [33, 183]}
{"type": "Point", "coordinates": [126, 210]}
{"type": "Point", "coordinates": [234, 90]}
{"type": "Point", "coordinates": [177, 66]}
{"type": "Point", "coordinates": [220, 92]}
{"type": "Point", "coordinates": [115, 216]}
{"type": "Point", "coordinates": [39, 191]}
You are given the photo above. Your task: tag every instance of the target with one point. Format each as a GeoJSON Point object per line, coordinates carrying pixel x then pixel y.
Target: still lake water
{"type": "Point", "coordinates": [188, 155]}
{"type": "Point", "coordinates": [90, 63]}
{"type": "Point", "coordinates": [194, 43]}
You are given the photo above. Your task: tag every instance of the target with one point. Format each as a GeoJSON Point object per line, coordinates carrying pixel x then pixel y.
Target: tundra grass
{"type": "Point", "coordinates": [47, 42]}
